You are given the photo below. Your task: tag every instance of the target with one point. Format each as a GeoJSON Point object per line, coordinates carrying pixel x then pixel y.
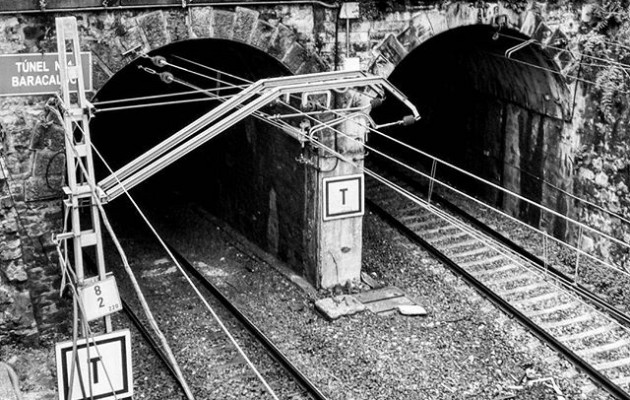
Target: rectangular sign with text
{"type": "Point", "coordinates": [343, 197]}
{"type": "Point", "coordinates": [100, 369]}
{"type": "Point", "coordinates": [100, 298]}
{"type": "Point", "coordinates": [36, 73]}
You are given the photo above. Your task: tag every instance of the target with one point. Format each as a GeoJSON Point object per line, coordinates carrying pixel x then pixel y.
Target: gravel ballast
{"type": "Point", "coordinates": [463, 348]}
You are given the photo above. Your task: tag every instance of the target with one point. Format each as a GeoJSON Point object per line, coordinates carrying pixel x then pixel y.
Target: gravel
{"type": "Point", "coordinates": [464, 348]}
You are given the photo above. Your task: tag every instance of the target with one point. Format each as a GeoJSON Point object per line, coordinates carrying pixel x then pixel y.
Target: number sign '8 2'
{"type": "Point", "coordinates": [100, 298]}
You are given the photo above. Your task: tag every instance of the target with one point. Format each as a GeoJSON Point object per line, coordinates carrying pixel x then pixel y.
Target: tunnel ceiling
{"type": "Point", "coordinates": [125, 134]}
{"type": "Point", "coordinates": [468, 61]}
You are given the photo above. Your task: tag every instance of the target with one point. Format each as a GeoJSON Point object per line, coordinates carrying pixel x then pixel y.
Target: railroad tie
{"type": "Point", "coordinates": [613, 364]}
{"type": "Point", "coordinates": [475, 263]}
{"type": "Point", "coordinates": [503, 281]}
{"type": "Point", "coordinates": [605, 347]}
{"type": "Point", "coordinates": [473, 252]}
{"type": "Point", "coordinates": [457, 235]}
{"type": "Point", "coordinates": [582, 335]}
{"type": "Point", "coordinates": [565, 322]}
{"type": "Point", "coordinates": [495, 270]}
{"type": "Point", "coordinates": [536, 299]}
{"type": "Point", "coordinates": [455, 245]}
{"type": "Point", "coordinates": [418, 226]}
{"type": "Point", "coordinates": [560, 307]}
{"type": "Point", "coordinates": [435, 230]}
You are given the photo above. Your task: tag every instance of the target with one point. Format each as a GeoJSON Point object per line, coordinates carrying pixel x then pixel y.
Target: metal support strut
{"type": "Point", "coordinates": [81, 184]}
{"type": "Point", "coordinates": [243, 104]}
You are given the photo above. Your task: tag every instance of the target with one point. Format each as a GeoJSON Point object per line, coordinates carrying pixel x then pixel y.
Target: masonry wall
{"type": "Point", "coordinates": [32, 140]}
{"type": "Point", "coordinates": [259, 188]}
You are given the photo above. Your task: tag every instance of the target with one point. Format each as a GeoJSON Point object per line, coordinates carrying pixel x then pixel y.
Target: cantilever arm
{"type": "Point", "coordinates": [230, 113]}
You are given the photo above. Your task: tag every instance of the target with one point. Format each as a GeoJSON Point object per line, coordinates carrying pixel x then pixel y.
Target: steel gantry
{"type": "Point", "coordinates": [241, 105]}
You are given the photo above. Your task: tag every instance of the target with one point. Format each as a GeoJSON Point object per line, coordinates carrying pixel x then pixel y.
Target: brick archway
{"type": "Point", "coordinates": [431, 22]}
{"type": "Point", "coordinates": [127, 35]}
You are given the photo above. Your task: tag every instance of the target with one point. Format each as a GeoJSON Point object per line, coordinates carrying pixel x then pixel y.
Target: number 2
{"type": "Point", "coordinates": [100, 302]}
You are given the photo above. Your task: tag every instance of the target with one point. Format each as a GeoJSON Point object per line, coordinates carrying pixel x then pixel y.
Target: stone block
{"type": "Point", "coordinates": [11, 254]}
{"type": "Point", "coordinates": [282, 42]}
{"type": "Point", "coordinates": [245, 24]}
{"type": "Point", "coordinates": [18, 311]}
{"type": "Point", "coordinates": [200, 21]}
{"type": "Point", "coordinates": [222, 24]}
{"type": "Point", "coordinates": [14, 271]}
{"type": "Point", "coordinates": [530, 23]}
{"type": "Point", "coordinates": [461, 14]}
{"type": "Point", "coordinates": [39, 187]}
{"type": "Point", "coordinates": [49, 137]}
{"type": "Point", "coordinates": [295, 57]}
{"type": "Point", "coordinates": [263, 36]}
{"type": "Point", "coordinates": [155, 28]}
{"type": "Point", "coordinates": [339, 306]}
{"type": "Point", "coordinates": [131, 42]}
{"type": "Point", "coordinates": [49, 163]}
{"type": "Point", "coordinates": [311, 65]}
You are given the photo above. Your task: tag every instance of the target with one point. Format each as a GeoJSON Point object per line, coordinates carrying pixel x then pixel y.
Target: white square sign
{"type": "Point", "coordinates": [97, 374]}
{"type": "Point", "coordinates": [100, 298]}
{"type": "Point", "coordinates": [343, 197]}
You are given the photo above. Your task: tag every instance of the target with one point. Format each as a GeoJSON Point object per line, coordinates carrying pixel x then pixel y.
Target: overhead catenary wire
{"type": "Point", "coordinates": [520, 197]}
{"type": "Point", "coordinates": [579, 199]}
{"type": "Point", "coordinates": [189, 281]}
{"type": "Point", "coordinates": [158, 96]}
{"type": "Point", "coordinates": [127, 267]}
{"type": "Point", "coordinates": [623, 244]}
{"type": "Point", "coordinates": [549, 46]}
{"type": "Point", "coordinates": [448, 218]}
{"type": "Point", "coordinates": [249, 82]}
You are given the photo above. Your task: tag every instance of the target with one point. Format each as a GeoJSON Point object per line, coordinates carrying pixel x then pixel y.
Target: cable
{"type": "Point", "coordinates": [164, 103]}
{"type": "Point", "coordinates": [500, 188]}
{"type": "Point", "coordinates": [194, 287]}
{"type": "Point", "coordinates": [156, 96]}
{"type": "Point", "coordinates": [454, 221]}
{"type": "Point", "coordinates": [123, 256]}
{"type": "Point", "coordinates": [543, 46]}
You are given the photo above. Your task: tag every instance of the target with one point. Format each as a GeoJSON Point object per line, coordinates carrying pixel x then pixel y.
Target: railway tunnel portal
{"type": "Point", "coordinates": [293, 39]}
{"type": "Point", "coordinates": [496, 106]}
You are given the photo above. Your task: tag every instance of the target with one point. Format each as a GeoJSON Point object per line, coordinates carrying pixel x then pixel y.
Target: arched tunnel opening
{"type": "Point", "coordinates": [497, 113]}
{"type": "Point", "coordinates": [236, 175]}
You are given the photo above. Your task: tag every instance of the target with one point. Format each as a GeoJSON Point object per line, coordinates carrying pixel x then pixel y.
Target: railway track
{"type": "Point", "coordinates": [304, 388]}
{"type": "Point", "coordinates": [586, 331]}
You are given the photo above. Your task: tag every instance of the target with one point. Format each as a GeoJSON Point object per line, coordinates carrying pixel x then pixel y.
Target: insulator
{"type": "Point", "coordinates": [408, 120]}
{"type": "Point", "coordinates": [159, 61]}
{"type": "Point", "coordinates": [166, 77]}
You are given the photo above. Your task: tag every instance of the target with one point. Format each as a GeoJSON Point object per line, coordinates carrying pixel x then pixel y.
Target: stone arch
{"type": "Point", "coordinates": [431, 22]}
{"type": "Point", "coordinates": [512, 119]}
{"type": "Point", "coordinates": [126, 35]}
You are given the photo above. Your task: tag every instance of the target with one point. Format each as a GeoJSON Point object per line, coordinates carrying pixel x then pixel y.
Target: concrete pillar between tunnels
{"type": "Point", "coordinates": [249, 176]}
{"type": "Point", "coordinates": [338, 244]}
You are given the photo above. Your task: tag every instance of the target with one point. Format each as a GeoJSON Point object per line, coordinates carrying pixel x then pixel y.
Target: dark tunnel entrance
{"type": "Point", "coordinates": [234, 174]}
{"type": "Point", "coordinates": [500, 118]}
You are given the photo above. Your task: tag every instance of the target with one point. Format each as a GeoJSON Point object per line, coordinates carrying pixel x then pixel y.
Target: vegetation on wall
{"type": "Point", "coordinates": [603, 164]}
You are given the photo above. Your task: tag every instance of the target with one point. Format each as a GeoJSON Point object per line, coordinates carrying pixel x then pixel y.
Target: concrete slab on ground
{"type": "Point", "coordinates": [339, 306]}
{"type": "Point", "coordinates": [412, 310]}
{"type": "Point", "coordinates": [379, 294]}
{"type": "Point", "coordinates": [390, 299]}
{"type": "Point", "coordinates": [391, 304]}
